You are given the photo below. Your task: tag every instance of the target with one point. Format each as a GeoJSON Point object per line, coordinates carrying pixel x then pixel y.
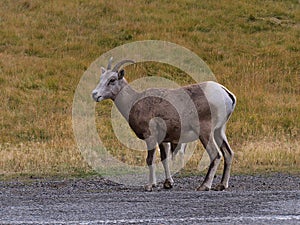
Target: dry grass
{"type": "Point", "coordinates": [268, 156]}
{"type": "Point", "coordinates": [252, 48]}
{"type": "Point", "coordinates": [39, 159]}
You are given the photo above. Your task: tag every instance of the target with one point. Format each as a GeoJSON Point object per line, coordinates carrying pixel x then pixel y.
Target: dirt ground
{"type": "Point", "coordinates": [270, 199]}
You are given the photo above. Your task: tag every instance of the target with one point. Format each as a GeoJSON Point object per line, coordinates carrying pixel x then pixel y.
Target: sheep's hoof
{"type": "Point", "coordinates": [219, 187]}
{"type": "Point", "coordinates": [168, 184]}
{"type": "Point", "coordinates": [202, 188]}
{"type": "Point", "coordinates": [149, 187]}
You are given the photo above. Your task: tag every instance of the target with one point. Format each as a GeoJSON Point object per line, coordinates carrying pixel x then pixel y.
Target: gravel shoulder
{"type": "Point", "coordinates": [272, 199]}
{"type": "Point", "coordinates": [267, 182]}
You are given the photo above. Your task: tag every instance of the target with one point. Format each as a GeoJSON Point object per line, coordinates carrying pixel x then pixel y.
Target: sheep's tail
{"type": "Point", "coordinates": [232, 97]}
{"type": "Point", "coordinates": [233, 100]}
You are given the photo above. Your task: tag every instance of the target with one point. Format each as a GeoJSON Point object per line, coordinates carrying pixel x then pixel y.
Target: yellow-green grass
{"type": "Point", "coordinates": [45, 46]}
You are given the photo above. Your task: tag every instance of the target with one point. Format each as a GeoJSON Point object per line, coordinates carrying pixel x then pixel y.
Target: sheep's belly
{"type": "Point", "coordinates": [188, 136]}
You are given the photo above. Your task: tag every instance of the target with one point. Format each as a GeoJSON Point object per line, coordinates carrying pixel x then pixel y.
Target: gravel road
{"type": "Point", "coordinates": [272, 199]}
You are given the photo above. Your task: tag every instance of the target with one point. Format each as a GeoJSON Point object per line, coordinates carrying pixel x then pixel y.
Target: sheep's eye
{"type": "Point", "coordinates": [112, 82]}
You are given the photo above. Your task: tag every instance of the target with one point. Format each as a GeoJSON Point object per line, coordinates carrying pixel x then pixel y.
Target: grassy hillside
{"type": "Point", "coordinates": [252, 47]}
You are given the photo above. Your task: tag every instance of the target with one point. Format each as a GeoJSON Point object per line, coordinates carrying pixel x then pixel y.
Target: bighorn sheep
{"type": "Point", "coordinates": [175, 116]}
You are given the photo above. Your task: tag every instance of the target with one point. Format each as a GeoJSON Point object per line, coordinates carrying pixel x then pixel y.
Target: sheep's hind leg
{"type": "Point", "coordinates": [164, 151]}
{"type": "Point", "coordinates": [227, 152]}
{"type": "Point", "coordinates": [215, 158]}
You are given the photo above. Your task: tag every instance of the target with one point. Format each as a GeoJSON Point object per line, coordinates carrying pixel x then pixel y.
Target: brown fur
{"type": "Point", "coordinates": [146, 108]}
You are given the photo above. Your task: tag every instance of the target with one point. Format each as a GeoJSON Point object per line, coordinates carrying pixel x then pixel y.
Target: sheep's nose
{"type": "Point", "coordinates": [94, 93]}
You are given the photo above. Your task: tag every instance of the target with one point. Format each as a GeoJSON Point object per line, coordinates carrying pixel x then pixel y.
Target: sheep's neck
{"type": "Point", "coordinates": [125, 100]}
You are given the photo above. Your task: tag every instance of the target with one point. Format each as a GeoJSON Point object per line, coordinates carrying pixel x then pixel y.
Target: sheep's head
{"type": "Point", "coordinates": [111, 81]}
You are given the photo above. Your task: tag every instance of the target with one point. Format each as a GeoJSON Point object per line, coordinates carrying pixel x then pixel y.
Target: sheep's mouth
{"type": "Point", "coordinates": [98, 99]}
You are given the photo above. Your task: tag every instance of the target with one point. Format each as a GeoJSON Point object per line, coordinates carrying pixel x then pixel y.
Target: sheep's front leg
{"type": "Point", "coordinates": [164, 150]}
{"type": "Point", "coordinates": [151, 165]}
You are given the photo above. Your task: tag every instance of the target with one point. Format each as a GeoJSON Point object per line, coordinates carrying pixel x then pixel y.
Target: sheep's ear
{"type": "Point", "coordinates": [121, 74]}
{"type": "Point", "coordinates": [103, 70]}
